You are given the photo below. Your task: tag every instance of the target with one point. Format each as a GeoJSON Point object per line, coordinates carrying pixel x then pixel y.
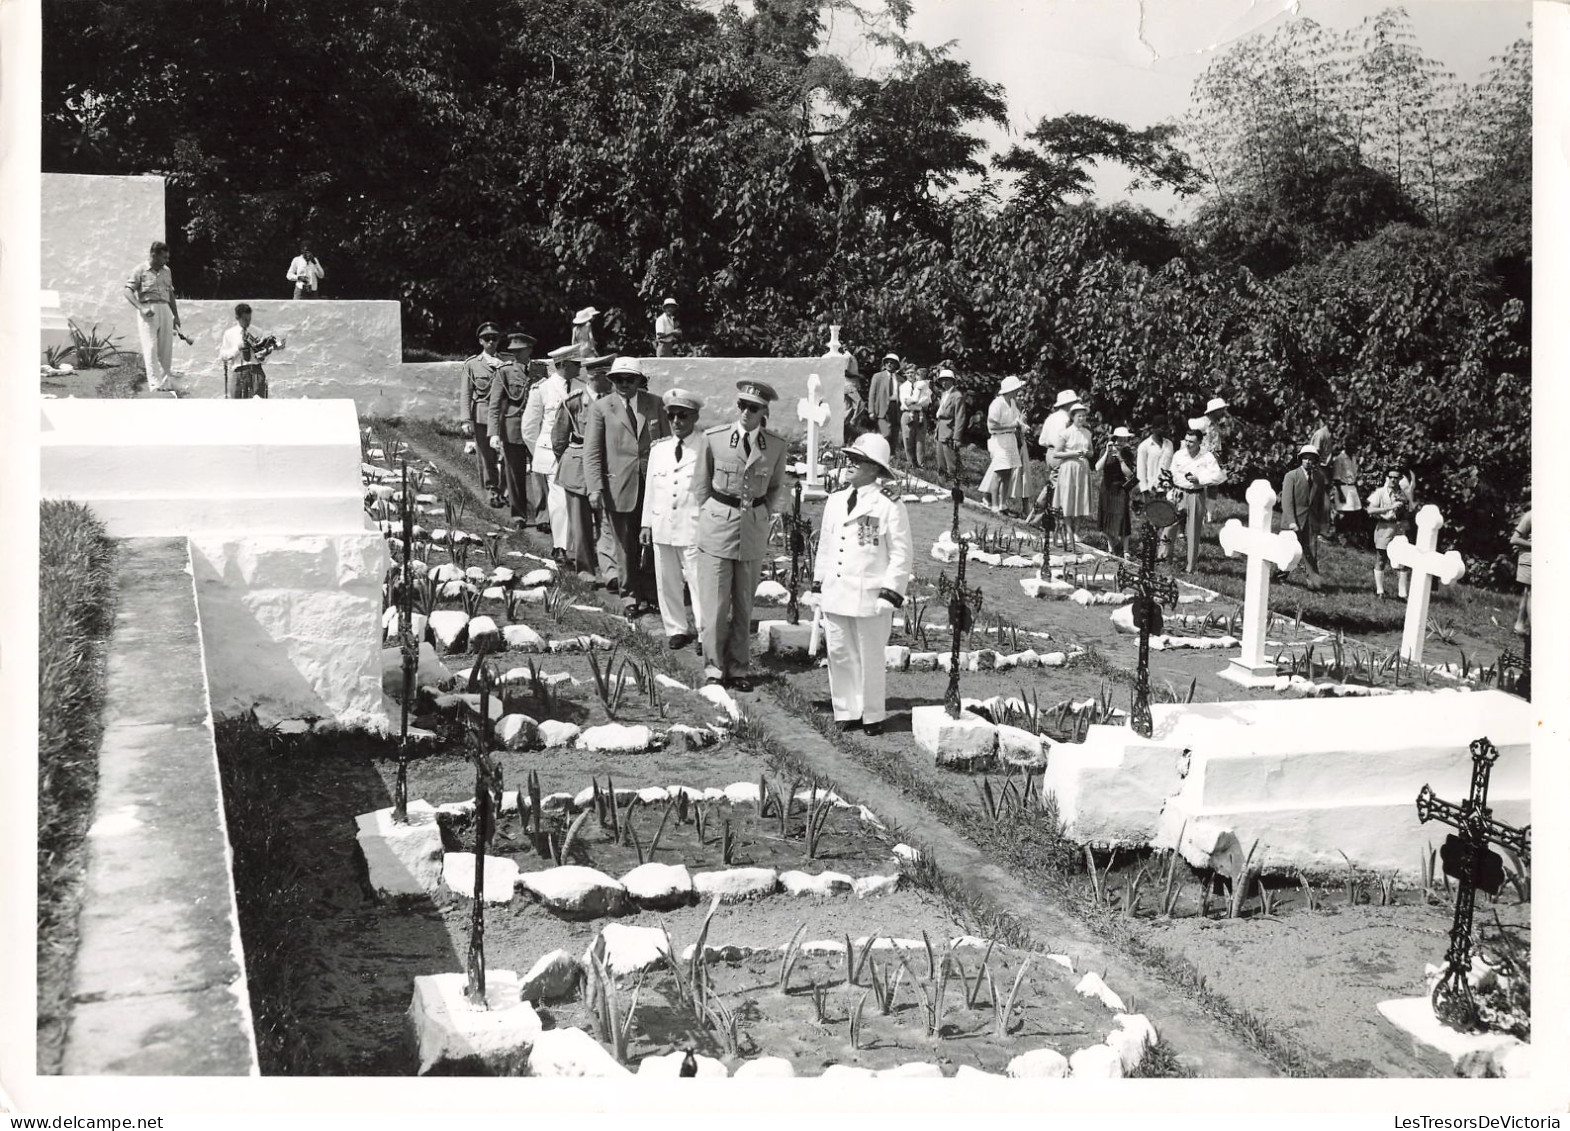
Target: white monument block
{"type": "Point", "coordinates": [815, 411]}
{"type": "Point", "coordinates": [968, 742]}
{"type": "Point", "coordinates": [1426, 565]}
{"type": "Point", "coordinates": [1263, 549]}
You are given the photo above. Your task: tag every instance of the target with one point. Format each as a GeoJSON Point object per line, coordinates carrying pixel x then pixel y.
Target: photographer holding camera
{"type": "Point", "coordinates": [306, 272]}
{"type": "Point", "coordinates": [1391, 507]}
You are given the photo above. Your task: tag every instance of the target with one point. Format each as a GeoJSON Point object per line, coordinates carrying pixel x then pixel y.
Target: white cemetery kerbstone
{"type": "Point", "coordinates": [616, 738]}
{"type": "Point", "coordinates": [735, 885]}
{"type": "Point", "coordinates": [1038, 1064]}
{"type": "Point", "coordinates": [765, 1067]}
{"type": "Point", "coordinates": [771, 593]}
{"type": "Point", "coordinates": [570, 1053]}
{"type": "Point", "coordinates": [865, 887]}
{"type": "Point", "coordinates": [966, 742]}
{"type": "Point", "coordinates": [553, 976]}
{"type": "Point", "coordinates": [628, 950]}
{"type": "Point", "coordinates": [1097, 1062]}
{"type": "Point", "coordinates": [450, 628]}
{"type": "Point", "coordinates": [783, 639]}
{"type": "Point", "coordinates": [1416, 1016]}
{"type": "Point", "coordinates": [1263, 549]}
{"type": "Point", "coordinates": [815, 412]}
{"type": "Point", "coordinates": [516, 732]}
{"type": "Point", "coordinates": [401, 859]}
{"type": "Point", "coordinates": [659, 886]}
{"type": "Point", "coordinates": [430, 672]}
{"type": "Point", "coordinates": [1091, 985]}
{"type": "Point", "coordinates": [1020, 747]}
{"type": "Point", "coordinates": [917, 1068]}
{"type": "Point", "coordinates": [449, 1029]}
{"type": "Point", "coordinates": [823, 883]}
{"type": "Point", "coordinates": [670, 1065]}
{"type": "Point", "coordinates": [557, 733]}
{"type": "Point", "coordinates": [1426, 565]}
{"type": "Point", "coordinates": [575, 891]}
{"type": "Point", "coordinates": [1131, 1038]}
{"type": "Point", "coordinates": [501, 876]}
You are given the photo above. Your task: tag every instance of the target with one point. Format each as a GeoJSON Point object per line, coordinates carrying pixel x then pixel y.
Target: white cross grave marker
{"type": "Point", "coordinates": [1263, 549]}
{"type": "Point", "coordinates": [1425, 565]}
{"type": "Point", "coordinates": [815, 411]}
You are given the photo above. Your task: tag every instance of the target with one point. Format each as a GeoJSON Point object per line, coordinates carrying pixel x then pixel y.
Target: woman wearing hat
{"type": "Point", "coordinates": [859, 576]}
{"type": "Point", "coordinates": [1005, 478]}
{"type": "Point", "coordinates": [1119, 475]}
{"type": "Point", "coordinates": [1215, 429]}
{"type": "Point", "coordinates": [1071, 455]}
{"type": "Point", "coordinates": [583, 332]}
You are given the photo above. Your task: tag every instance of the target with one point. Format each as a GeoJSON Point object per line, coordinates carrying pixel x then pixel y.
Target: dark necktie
{"type": "Point", "coordinates": [850, 504]}
{"type": "Point", "coordinates": [678, 451]}
{"type": "Point", "coordinates": [746, 444]}
{"type": "Point", "coordinates": [632, 417]}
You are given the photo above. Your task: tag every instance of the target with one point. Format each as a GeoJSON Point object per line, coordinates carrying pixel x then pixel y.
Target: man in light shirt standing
{"type": "Point", "coordinates": [670, 517]}
{"type": "Point", "coordinates": [915, 398]}
{"type": "Point", "coordinates": [242, 353]}
{"type": "Point", "coordinates": [1151, 458]}
{"type": "Point", "coordinates": [306, 272]}
{"type": "Point", "coordinates": [1193, 470]}
{"type": "Point", "coordinates": [150, 290]}
{"type": "Point", "coordinates": [666, 332]}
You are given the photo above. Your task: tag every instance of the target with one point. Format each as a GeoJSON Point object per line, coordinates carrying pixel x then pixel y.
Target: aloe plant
{"type": "Point", "coordinates": [1002, 1016]}
{"type": "Point", "coordinates": [788, 959]}
{"type": "Point", "coordinates": [855, 1020]}
{"type": "Point", "coordinates": [1240, 882]}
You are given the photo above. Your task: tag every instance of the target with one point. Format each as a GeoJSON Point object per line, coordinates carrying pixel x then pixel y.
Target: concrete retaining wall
{"type": "Point", "coordinates": [94, 231]}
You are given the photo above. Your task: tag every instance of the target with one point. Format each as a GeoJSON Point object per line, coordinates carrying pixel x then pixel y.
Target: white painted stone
{"type": "Point", "coordinates": [449, 1029]}
{"type": "Point", "coordinates": [967, 1072]}
{"type": "Point", "coordinates": [653, 795]}
{"type": "Point", "coordinates": [692, 738]}
{"type": "Point", "coordinates": [823, 946]}
{"type": "Point", "coordinates": [1131, 1038]}
{"type": "Point", "coordinates": [982, 660]}
{"type": "Point", "coordinates": [1091, 985]}
{"type": "Point", "coordinates": [922, 662]}
{"type": "Point", "coordinates": [575, 891]}
{"type": "Point", "coordinates": [1096, 1062]}
{"type": "Point", "coordinates": [866, 887]}
{"type": "Point", "coordinates": [670, 683]}
{"type": "Point", "coordinates": [735, 885]}
{"type": "Point", "coordinates": [1038, 1064]}
{"type": "Point", "coordinates": [771, 593]}
{"type": "Point", "coordinates": [469, 703]}
{"type": "Point", "coordinates": [292, 727]}
{"type": "Point", "coordinates": [449, 627]}
{"type": "Point", "coordinates": [969, 942]}
{"type": "Point", "coordinates": [558, 802]}
{"type": "Point", "coordinates": [535, 596]}
{"type": "Point", "coordinates": [717, 695]}
{"type": "Point", "coordinates": [968, 741]}
{"type": "Point", "coordinates": [847, 1071]}
{"type": "Point", "coordinates": [659, 886]}
{"type": "Point", "coordinates": [868, 816]}
{"type": "Point", "coordinates": [571, 1053]}
{"type": "Point", "coordinates": [741, 793]}
{"type": "Point", "coordinates": [670, 1064]}
{"type": "Point", "coordinates": [1062, 960]}
{"type": "Point", "coordinates": [446, 571]}
{"type": "Point", "coordinates": [553, 977]}
{"type": "Point", "coordinates": [1019, 747]}
{"type": "Point", "coordinates": [765, 1067]}
{"type": "Point", "coordinates": [501, 575]}
{"type": "Point", "coordinates": [946, 661]}
{"type": "Point", "coordinates": [501, 876]}
{"type": "Point", "coordinates": [918, 1069]}
{"type": "Point", "coordinates": [401, 859]}
{"type": "Point", "coordinates": [1416, 1016]}
{"type": "Point", "coordinates": [517, 732]}
{"type": "Point", "coordinates": [536, 578]}
{"type": "Point", "coordinates": [945, 549]}
{"type": "Point", "coordinates": [905, 854]}
{"type": "Point", "coordinates": [493, 593]}
{"type": "Point", "coordinates": [786, 640]}
{"type": "Point", "coordinates": [824, 883]}
{"type": "Point", "coordinates": [616, 738]}
{"type": "Point", "coordinates": [453, 590]}
{"type": "Point", "coordinates": [555, 733]}
{"type": "Point", "coordinates": [627, 950]}
{"type": "Point", "coordinates": [885, 943]}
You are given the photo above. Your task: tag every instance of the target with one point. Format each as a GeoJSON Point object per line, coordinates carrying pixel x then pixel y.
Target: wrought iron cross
{"type": "Point", "coordinates": [964, 604]}
{"type": "Point", "coordinates": [411, 656]}
{"type": "Point", "coordinates": [1469, 861]}
{"type": "Point", "coordinates": [487, 799]}
{"type": "Point", "coordinates": [799, 529]}
{"type": "Point", "coordinates": [1150, 589]}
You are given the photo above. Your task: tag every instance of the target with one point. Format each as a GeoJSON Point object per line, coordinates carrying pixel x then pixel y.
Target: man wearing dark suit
{"type": "Point", "coordinates": [618, 431]}
{"type": "Point", "coordinates": [1305, 506]}
{"type": "Point", "coordinates": [882, 398]}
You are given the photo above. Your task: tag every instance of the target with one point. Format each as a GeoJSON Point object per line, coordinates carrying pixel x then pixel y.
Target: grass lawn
{"type": "Point", "coordinates": [75, 614]}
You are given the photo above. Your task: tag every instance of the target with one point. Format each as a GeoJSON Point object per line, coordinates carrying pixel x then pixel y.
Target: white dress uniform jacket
{"type": "Point", "coordinates": [668, 507]}
{"type": "Point", "coordinates": [863, 553]}
{"type": "Point", "coordinates": [553, 393]}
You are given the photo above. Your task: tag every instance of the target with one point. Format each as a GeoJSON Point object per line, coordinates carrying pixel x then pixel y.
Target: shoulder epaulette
{"type": "Point", "coordinates": [470, 358]}
{"type": "Point", "coordinates": [718, 428]}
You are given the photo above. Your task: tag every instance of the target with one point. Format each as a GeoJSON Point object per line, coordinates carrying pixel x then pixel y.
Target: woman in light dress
{"type": "Point", "coordinates": [1072, 456]}
{"type": "Point", "coordinates": [1006, 474]}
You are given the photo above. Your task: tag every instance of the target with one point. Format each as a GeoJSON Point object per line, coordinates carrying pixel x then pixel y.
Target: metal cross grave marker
{"type": "Point", "coordinates": [410, 649]}
{"type": "Point", "coordinates": [964, 604]}
{"type": "Point", "coordinates": [800, 528]}
{"type": "Point", "coordinates": [1149, 590]}
{"type": "Point", "coordinates": [487, 799]}
{"type": "Point", "coordinates": [1469, 861]}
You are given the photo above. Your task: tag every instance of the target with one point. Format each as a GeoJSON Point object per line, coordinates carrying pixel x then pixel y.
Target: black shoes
{"type": "Point", "coordinates": [738, 683]}
{"type": "Point", "coordinates": [679, 641]}
{"type": "Point", "coordinates": [849, 724]}
{"type": "Point", "coordinates": [873, 729]}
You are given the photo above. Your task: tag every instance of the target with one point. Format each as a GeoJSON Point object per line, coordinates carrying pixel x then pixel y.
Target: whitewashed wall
{"type": "Point", "coordinates": [93, 232]}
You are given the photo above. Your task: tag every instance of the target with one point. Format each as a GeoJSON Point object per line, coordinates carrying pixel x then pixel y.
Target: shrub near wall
{"type": "Point", "coordinates": [75, 614]}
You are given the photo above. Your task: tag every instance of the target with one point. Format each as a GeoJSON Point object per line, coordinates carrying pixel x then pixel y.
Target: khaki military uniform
{"type": "Point", "coordinates": [509, 394]}
{"type": "Point", "coordinates": [474, 399]}
{"type": "Point", "coordinates": [736, 485]}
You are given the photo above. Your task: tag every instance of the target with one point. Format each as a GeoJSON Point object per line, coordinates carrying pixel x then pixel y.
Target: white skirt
{"type": "Point", "coordinates": [1004, 450]}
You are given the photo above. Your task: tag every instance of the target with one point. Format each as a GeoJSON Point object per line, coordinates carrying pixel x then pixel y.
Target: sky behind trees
{"type": "Point", "coordinates": [1100, 57]}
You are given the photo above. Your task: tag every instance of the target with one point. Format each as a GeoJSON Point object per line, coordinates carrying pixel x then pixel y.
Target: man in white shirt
{"type": "Point", "coordinates": [1057, 420]}
{"type": "Point", "coordinates": [306, 273]}
{"type": "Point", "coordinates": [242, 353]}
{"type": "Point", "coordinates": [1215, 428]}
{"type": "Point", "coordinates": [860, 575]}
{"type": "Point", "coordinates": [1193, 470]}
{"type": "Point", "coordinates": [666, 332]}
{"type": "Point", "coordinates": [670, 517]}
{"type": "Point", "coordinates": [1151, 458]}
{"type": "Point", "coordinates": [915, 398]}
{"type": "Point", "coordinates": [150, 290]}
{"type": "Point", "coordinates": [545, 405]}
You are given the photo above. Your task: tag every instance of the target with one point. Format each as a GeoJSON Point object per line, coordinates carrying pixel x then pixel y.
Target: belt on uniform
{"type": "Point", "coordinates": [157, 302]}
{"type": "Point", "coordinates": [733, 501]}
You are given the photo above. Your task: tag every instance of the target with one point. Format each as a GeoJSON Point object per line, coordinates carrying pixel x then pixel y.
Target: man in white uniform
{"type": "Point", "coordinates": [540, 414]}
{"type": "Point", "coordinates": [859, 578]}
{"type": "Point", "coordinates": [670, 517]}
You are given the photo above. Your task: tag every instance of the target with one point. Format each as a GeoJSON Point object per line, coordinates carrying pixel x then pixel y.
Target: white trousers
{"type": "Point", "coordinates": [857, 675]}
{"type": "Point", "coordinates": [157, 337]}
{"type": "Point", "coordinates": [556, 507]}
{"type": "Point", "coordinates": [672, 566]}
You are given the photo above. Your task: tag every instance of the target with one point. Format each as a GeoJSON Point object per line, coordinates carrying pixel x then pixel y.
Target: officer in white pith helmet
{"type": "Point", "coordinates": [737, 483]}
{"type": "Point", "coordinates": [859, 578]}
